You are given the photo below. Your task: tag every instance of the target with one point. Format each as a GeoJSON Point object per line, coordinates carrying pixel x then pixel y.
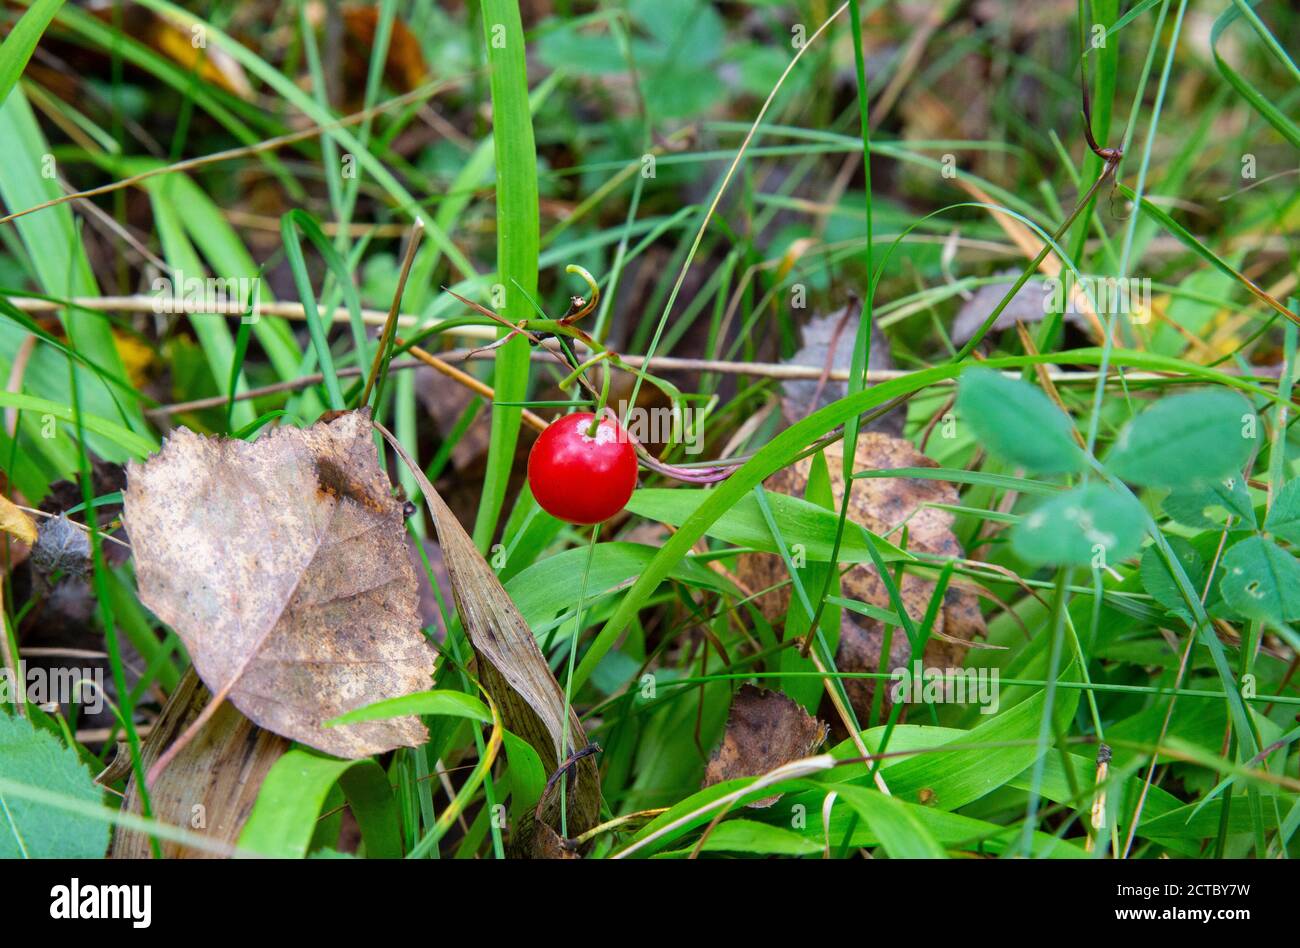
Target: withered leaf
{"type": "Point", "coordinates": [1026, 307]}
{"type": "Point", "coordinates": [221, 770]}
{"type": "Point", "coordinates": [801, 397]}
{"type": "Point", "coordinates": [514, 672]}
{"type": "Point", "coordinates": [880, 505]}
{"type": "Point", "coordinates": [61, 546]}
{"type": "Point", "coordinates": [282, 565]}
{"type": "Point", "coordinates": [765, 730]}
{"type": "Point", "coordinates": [16, 521]}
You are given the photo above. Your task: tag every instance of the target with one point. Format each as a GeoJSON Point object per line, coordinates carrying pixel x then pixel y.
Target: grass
{"type": "Point", "coordinates": [728, 174]}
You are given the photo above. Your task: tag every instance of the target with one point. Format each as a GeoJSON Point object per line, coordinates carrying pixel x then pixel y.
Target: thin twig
{"type": "Point", "coordinates": [658, 363]}
{"type": "Point", "coordinates": [145, 303]}
{"type": "Point", "coordinates": [464, 378]}
{"type": "Point", "coordinates": [76, 523]}
{"type": "Point", "coordinates": [385, 338]}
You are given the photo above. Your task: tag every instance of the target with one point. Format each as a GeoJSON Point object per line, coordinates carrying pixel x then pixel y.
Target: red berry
{"type": "Point", "coordinates": [578, 478]}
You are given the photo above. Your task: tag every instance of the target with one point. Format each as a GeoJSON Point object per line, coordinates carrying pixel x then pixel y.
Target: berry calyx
{"type": "Point", "coordinates": [581, 476]}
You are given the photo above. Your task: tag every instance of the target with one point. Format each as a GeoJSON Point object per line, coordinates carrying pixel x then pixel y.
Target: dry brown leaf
{"type": "Point", "coordinates": [801, 397]}
{"type": "Point", "coordinates": [179, 42]}
{"type": "Point", "coordinates": [514, 672]}
{"type": "Point", "coordinates": [215, 780]}
{"type": "Point", "coordinates": [282, 566]}
{"type": "Point", "coordinates": [765, 730]}
{"type": "Point", "coordinates": [405, 68]}
{"type": "Point", "coordinates": [1025, 307]}
{"type": "Point", "coordinates": [61, 546]}
{"type": "Point", "coordinates": [880, 505]}
{"type": "Point", "coordinates": [16, 522]}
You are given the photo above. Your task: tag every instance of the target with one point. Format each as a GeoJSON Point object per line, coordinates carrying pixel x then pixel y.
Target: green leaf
{"type": "Point", "coordinates": [1189, 506]}
{"type": "Point", "coordinates": [972, 765]}
{"type": "Point", "coordinates": [454, 703]}
{"type": "Point", "coordinates": [60, 265]}
{"type": "Point", "coordinates": [290, 800]}
{"type": "Point", "coordinates": [291, 223]}
{"type": "Point", "coordinates": [21, 42]}
{"type": "Point", "coordinates": [1283, 518]}
{"type": "Point", "coordinates": [893, 822]}
{"type": "Point", "coordinates": [1159, 582]}
{"type": "Point", "coordinates": [132, 443]}
{"type": "Point", "coordinates": [527, 775]}
{"type": "Point", "coordinates": [30, 829]}
{"type": "Point", "coordinates": [1021, 485]}
{"type": "Point", "coordinates": [1262, 581]}
{"type": "Point", "coordinates": [799, 520]}
{"type": "Point", "coordinates": [518, 244]}
{"type": "Point", "coordinates": [1018, 422]}
{"type": "Point", "coordinates": [1258, 100]}
{"type": "Point", "coordinates": [749, 836]}
{"type": "Point", "coordinates": [1185, 440]}
{"type": "Point", "coordinates": [545, 589]}
{"type": "Point", "coordinates": [213, 333]}
{"type": "Point", "coordinates": [1078, 525]}
{"type": "Point", "coordinates": [866, 609]}
{"type": "Point", "coordinates": [792, 441]}
{"type": "Point", "coordinates": [583, 54]}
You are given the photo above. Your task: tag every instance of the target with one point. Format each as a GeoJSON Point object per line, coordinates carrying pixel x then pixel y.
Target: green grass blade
{"type": "Point", "coordinates": [21, 42]}
{"type": "Point", "coordinates": [518, 236]}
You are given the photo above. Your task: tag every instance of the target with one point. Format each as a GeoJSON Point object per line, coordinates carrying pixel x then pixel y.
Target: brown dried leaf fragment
{"type": "Point", "coordinates": [218, 775]}
{"type": "Point", "coordinates": [880, 505]}
{"type": "Point", "coordinates": [765, 730]}
{"type": "Point", "coordinates": [282, 566]}
{"type": "Point", "coordinates": [16, 522]}
{"type": "Point", "coordinates": [802, 397]}
{"type": "Point", "coordinates": [61, 546]}
{"type": "Point", "coordinates": [515, 673]}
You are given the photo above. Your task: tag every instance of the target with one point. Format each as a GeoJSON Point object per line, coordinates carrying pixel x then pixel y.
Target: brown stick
{"type": "Point", "coordinates": [417, 231]}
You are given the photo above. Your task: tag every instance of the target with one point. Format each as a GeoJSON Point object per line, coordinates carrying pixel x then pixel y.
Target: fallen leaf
{"type": "Point", "coordinates": [514, 673]}
{"type": "Point", "coordinates": [16, 522]}
{"type": "Point", "coordinates": [765, 730]}
{"type": "Point", "coordinates": [61, 546]}
{"type": "Point", "coordinates": [404, 68]}
{"type": "Point", "coordinates": [1026, 307]}
{"type": "Point", "coordinates": [179, 42]}
{"type": "Point", "coordinates": [282, 565]}
{"type": "Point", "coordinates": [220, 770]}
{"type": "Point", "coordinates": [880, 505]}
{"type": "Point", "coordinates": [801, 397]}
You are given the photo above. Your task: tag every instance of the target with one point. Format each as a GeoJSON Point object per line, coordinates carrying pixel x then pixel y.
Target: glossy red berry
{"type": "Point", "coordinates": [580, 478]}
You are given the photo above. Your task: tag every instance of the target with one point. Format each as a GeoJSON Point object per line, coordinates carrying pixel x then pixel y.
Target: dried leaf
{"type": "Point", "coordinates": [880, 505]}
{"type": "Point", "coordinates": [801, 397]}
{"type": "Point", "coordinates": [1025, 307]}
{"type": "Point", "coordinates": [513, 671]}
{"type": "Point", "coordinates": [16, 522]}
{"type": "Point", "coordinates": [764, 731]}
{"type": "Point", "coordinates": [405, 68]}
{"type": "Point", "coordinates": [282, 565]}
{"type": "Point", "coordinates": [61, 546]}
{"type": "Point", "coordinates": [214, 781]}
{"type": "Point", "coordinates": [177, 41]}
